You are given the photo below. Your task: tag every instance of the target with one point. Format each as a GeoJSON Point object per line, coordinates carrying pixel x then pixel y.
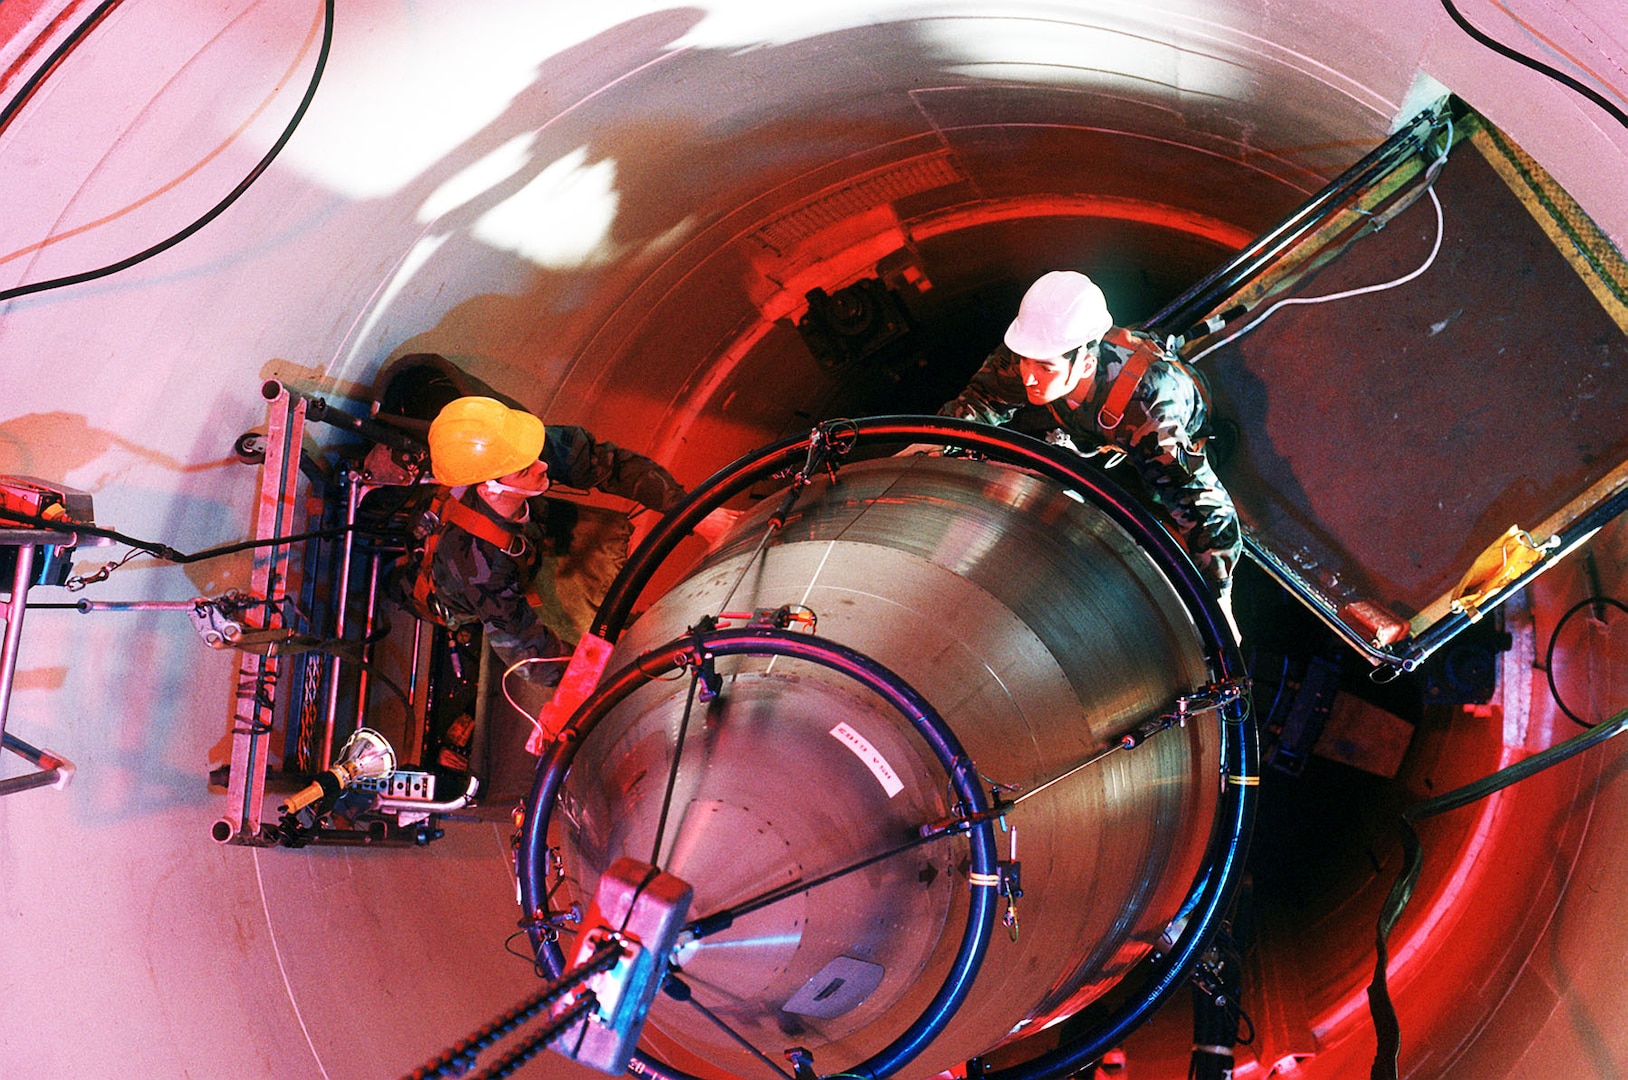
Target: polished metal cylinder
{"type": "Point", "coordinates": [1040, 632]}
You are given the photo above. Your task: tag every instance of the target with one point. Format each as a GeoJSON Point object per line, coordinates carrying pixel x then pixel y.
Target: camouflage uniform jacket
{"type": "Point", "coordinates": [1159, 435]}
{"type": "Point", "coordinates": [476, 581]}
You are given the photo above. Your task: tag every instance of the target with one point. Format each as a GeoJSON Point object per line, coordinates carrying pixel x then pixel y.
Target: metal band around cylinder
{"type": "Point", "coordinates": [983, 869]}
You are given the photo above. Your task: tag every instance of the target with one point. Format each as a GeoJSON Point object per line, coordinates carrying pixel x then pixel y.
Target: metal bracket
{"type": "Point", "coordinates": [1212, 696]}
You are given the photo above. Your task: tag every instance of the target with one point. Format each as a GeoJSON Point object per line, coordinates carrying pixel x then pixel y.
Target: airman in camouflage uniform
{"type": "Point", "coordinates": [1158, 434]}
{"type": "Point", "coordinates": [563, 558]}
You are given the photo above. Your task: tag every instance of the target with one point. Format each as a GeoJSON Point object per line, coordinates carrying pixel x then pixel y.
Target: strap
{"type": "Point", "coordinates": [505, 536]}
{"type": "Point", "coordinates": [424, 584]}
{"type": "Point", "coordinates": [1143, 353]}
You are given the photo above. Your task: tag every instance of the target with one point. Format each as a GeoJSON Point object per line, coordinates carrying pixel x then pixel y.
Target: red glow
{"type": "Point", "coordinates": [1435, 928]}
{"type": "Point", "coordinates": [1112, 207]}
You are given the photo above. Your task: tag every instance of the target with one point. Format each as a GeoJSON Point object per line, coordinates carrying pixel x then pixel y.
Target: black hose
{"type": "Point", "coordinates": [1596, 602]}
{"type": "Point", "coordinates": [214, 211]}
{"type": "Point", "coordinates": [164, 551]}
{"type": "Point", "coordinates": [69, 44]}
{"type": "Point", "coordinates": [1536, 65]}
{"type": "Point", "coordinates": [1387, 1028]}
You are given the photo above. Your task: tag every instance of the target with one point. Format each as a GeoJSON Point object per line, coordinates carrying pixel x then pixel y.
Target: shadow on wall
{"type": "Point", "coordinates": [125, 697]}
{"type": "Point", "coordinates": [710, 131]}
{"type": "Point", "coordinates": [51, 445]}
{"type": "Point", "coordinates": [123, 710]}
{"type": "Point", "coordinates": [501, 338]}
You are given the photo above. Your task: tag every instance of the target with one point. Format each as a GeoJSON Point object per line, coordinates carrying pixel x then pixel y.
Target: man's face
{"type": "Point", "coordinates": [533, 477]}
{"type": "Point", "coordinates": [1047, 379]}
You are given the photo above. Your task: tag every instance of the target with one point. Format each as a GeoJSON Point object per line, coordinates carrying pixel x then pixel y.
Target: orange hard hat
{"type": "Point", "coordinates": [474, 439]}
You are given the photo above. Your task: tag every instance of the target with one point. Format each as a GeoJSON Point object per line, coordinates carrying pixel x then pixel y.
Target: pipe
{"type": "Point", "coordinates": [330, 712]}
{"type": "Point", "coordinates": [1180, 315]}
{"type": "Point", "coordinates": [363, 676]}
{"type": "Point", "coordinates": [54, 769]}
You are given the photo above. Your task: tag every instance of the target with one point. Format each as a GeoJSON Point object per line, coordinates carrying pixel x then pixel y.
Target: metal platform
{"type": "Point", "coordinates": [49, 769]}
{"type": "Point", "coordinates": [1389, 439]}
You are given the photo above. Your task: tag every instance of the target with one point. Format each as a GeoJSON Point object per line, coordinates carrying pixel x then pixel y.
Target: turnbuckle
{"type": "Point", "coordinates": [1210, 696]}
{"type": "Point", "coordinates": [1206, 698]}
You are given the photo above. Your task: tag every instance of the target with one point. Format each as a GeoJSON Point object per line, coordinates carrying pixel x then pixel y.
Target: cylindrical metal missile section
{"type": "Point", "coordinates": [1040, 633]}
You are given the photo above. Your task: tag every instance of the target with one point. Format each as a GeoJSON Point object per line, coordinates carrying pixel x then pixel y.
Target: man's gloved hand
{"type": "Point", "coordinates": [713, 527]}
{"type": "Point", "coordinates": [710, 528]}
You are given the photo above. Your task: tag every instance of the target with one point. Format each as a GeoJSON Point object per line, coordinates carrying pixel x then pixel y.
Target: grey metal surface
{"type": "Point", "coordinates": [1040, 633]}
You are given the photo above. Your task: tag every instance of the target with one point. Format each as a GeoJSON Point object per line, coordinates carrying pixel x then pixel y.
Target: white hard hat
{"type": "Point", "coordinates": [1061, 311]}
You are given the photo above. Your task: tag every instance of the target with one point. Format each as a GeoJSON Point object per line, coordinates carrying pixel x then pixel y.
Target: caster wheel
{"type": "Point", "coordinates": [250, 448]}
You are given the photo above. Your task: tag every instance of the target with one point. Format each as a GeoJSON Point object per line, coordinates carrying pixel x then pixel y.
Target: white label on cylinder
{"type": "Point", "coordinates": [872, 758]}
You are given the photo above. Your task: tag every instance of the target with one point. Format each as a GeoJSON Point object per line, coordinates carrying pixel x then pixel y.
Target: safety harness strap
{"type": "Point", "coordinates": [1143, 353]}
{"type": "Point", "coordinates": [505, 536]}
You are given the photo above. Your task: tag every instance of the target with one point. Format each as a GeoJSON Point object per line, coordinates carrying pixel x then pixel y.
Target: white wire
{"type": "Point", "coordinates": [536, 723]}
{"type": "Point", "coordinates": [1403, 280]}
{"type": "Point", "coordinates": [276, 950]}
{"type": "Point", "coordinates": [1430, 189]}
